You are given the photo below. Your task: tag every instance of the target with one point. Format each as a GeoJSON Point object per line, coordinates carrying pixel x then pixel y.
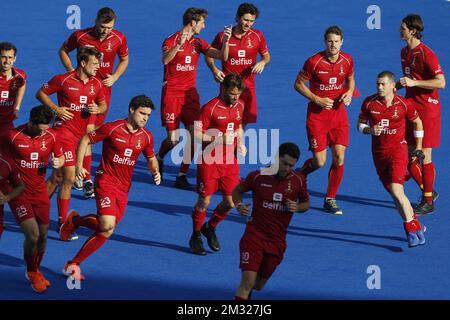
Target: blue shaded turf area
{"type": "Point", "coordinates": [327, 256]}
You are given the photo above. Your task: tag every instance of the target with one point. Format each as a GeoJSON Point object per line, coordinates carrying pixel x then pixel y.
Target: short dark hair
{"type": "Point", "coordinates": [414, 22]}
{"type": "Point", "coordinates": [194, 14]}
{"type": "Point", "coordinates": [84, 53]}
{"type": "Point", "coordinates": [233, 80]}
{"type": "Point", "coordinates": [387, 74]}
{"type": "Point", "coordinates": [41, 114]}
{"type": "Point", "coordinates": [6, 46]}
{"type": "Point", "coordinates": [245, 8]}
{"type": "Point", "coordinates": [334, 30]}
{"type": "Point", "coordinates": [106, 15]}
{"type": "Point", "coordinates": [140, 101]}
{"type": "Point", "coordinates": [289, 148]}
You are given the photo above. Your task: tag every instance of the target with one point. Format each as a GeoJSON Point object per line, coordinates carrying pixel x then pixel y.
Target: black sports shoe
{"type": "Point", "coordinates": [196, 245]}
{"type": "Point", "coordinates": [210, 234]}
{"type": "Point", "coordinates": [181, 182]}
{"type": "Point", "coordinates": [424, 208]}
{"type": "Point", "coordinates": [88, 189]}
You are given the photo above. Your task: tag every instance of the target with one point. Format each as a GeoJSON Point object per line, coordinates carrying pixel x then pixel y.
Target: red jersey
{"type": "Point", "coordinates": [327, 79]}
{"type": "Point", "coordinates": [225, 119]}
{"type": "Point", "coordinates": [270, 215]}
{"type": "Point", "coordinates": [180, 74]}
{"type": "Point", "coordinates": [421, 63]}
{"type": "Point", "coordinates": [9, 176]}
{"type": "Point", "coordinates": [393, 119]}
{"type": "Point", "coordinates": [242, 54]}
{"type": "Point", "coordinates": [114, 43]}
{"type": "Point", "coordinates": [121, 149]}
{"type": "Point", "coordinates": [31, 155]}
{"type": "Point", "coordinates": [76, 95]}
{"type": "Point", "coordinates": [8, 94]}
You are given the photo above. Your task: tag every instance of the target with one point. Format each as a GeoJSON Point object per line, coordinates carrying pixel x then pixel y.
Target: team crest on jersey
{"type": "Point", "coordinates": [342, 73]}
{"type": "Point", "coordinates": [395, 115]}
{"type": "Point", "coordinates": [14, 85]}
{"type": "Point", "coordinates": [289, 187]}
{"type": "Point", "coordinates": [138, 144]}
{"type": "Point", "coordinates": [249, 43]}
{"type": "Point", "coordinates": [43, 147]}
{"type": "Point", "coordinates": [92, 91]}
{"type": "Point", "coordinates": [238, 115]}
{"type": "Point", "coordinates": [109, 49]}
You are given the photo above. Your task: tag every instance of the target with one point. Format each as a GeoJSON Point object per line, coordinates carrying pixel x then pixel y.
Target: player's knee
{"type": "Point", "coordinates": [320, 162]}
{"type": "Point", "coordinates": [32, 237]}
{"type": "Point", "coordinates": [338, 159]}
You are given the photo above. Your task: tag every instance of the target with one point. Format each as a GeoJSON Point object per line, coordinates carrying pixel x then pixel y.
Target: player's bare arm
{"type": "Point", "coordinates": [65, 58]}
{"type": "Point", "coordinates": [121, 67]}
{"type": "Point", "coordinates": [16, 191]}
{"type": "Point", "coordinates": [364, 128]}
{"type": "Point", "coordinates": [437, 83]}
{"type": "Point", "coordinates": [242, 208]}
{"type": "Point", "coordinates": [241, 148]}
{"type": "Point", "coordinates": [153, 166]}
{"type": "Point", "coordinates": [19, 98]}
{"type": "Point", "coordinates": [218, 74]}
{"type": "Point", "coordinates": [57, 162]}
{"type": "Point", "coordinates": [302, 88]}
{"type": "Point", "coordinates": [168, 55]}
{"type": "Point", "coordinates": [347, 96]}
{"type": "Point", "coordinates": [60, 111]}
{"type": "Point", "coordinates": [81, 172]}
{"type": "Point", "coordinates": [97, 108]}
{"type": "Point", "coordinates": [258, 68]}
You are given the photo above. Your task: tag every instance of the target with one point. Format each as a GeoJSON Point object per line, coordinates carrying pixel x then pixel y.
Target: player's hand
{"type": "Point", "coordinates": [243, 209]}
{"type": "Point", "coordinates": [183, 38]}
{"type": "Point", "coordinates": [56, 162]}
{"type": "Point", "coordinates": [407, 82]}
{"type": "Point", "coordinates": [376, 130]}
{"type": "Point", "coordinates": [64, 113]}
{"type": "Point", "coordinates": [109, 80]}
{"type": "Point", "coordinates": [347, 98]}
{"type": "Point", "coordinates": [219, 75]}
{"type": "Point", "coordinates": [93, 108]}
{"type": "Point", "coordinates": [16, 114]}
{"type": "Point", "coordinates": [157, 178]}
{"type": "Point", "coordinates": [258, 68]}
{"type": "Point", "coordinates": [418, 155]}
{"type": "Point", "coordinates": [291, 205]}
{"type": "Point", "coordinates": [325, 103]}
{"type": "Point", "coordinates": [81, 173]}
{"type": "Point", "coordinates": [227, 34]}
{"type": "Point", "coordinates": [242, 150]}
{"type": "Point", "coordinates": [3, 198]}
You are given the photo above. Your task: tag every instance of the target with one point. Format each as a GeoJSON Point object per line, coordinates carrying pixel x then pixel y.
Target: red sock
{"type": "Point", "coordinates": [197, 219]}
{"type": "Point", "coordinates": [87, 165]}
{"type": "Point", "coordinates": [428, 182]}
{"type": "Point", "coordinates": [91, 245]}
{"type": "Point", "coordinates": [239, 298]}
{"type": "Point", "coordinates": [165, 147]}
{"type": "Point", "coordinates": [217, 217]}
{"type": "Point", "coordinates": [63, 207]}
{"type": "Point", "coordinates": [412, 226]}
{"type": "Point", "coordinates": [90, 221]}
{"type": "Point", "coordinates": [415, 170]}
{"type": "Point", "coordinates": [39, 257]}
{"type": "Point", "coordinates": [308, 167]}
{"type": "Point", "coordinates": [334, 180]}
{"type": "Point", "coordinates": [31, 262]}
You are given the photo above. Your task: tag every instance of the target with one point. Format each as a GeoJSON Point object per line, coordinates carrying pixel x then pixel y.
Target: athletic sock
{"type": "Point", "coordinates": [308, 167]}
{"type": "Point", "coordinates": [87, 165]}
{"type": "Point", "coordinates": [415, 170]}
{"type": "Point", "coordinates": [334, 180]}
{"type": "Point", "coordinates": [92, 244]}
{"type": "Point", "coordinates": [63, 207]}
{"type": "Point", "coordinates": [217, 217]}
{"type": "Point", "coordinates": [197, 219]}
{"type": "Point", "coordinates": [428, 182]}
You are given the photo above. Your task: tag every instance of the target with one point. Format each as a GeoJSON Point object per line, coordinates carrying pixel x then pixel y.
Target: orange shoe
{"type": "Point", "coordinates": [38, 283]}
{"type": "Point", "coordinates": [47, 283]}
{"type": "Point", "coordinates": [68, 228]}
{"type": "Point", "coordinates": [71, 269]}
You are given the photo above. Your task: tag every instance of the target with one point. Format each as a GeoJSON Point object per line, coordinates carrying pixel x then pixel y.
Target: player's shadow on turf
{"type": "Point", "coordinates": [10, 261]}
{"type": "Point", "coordinates": [359, 200]}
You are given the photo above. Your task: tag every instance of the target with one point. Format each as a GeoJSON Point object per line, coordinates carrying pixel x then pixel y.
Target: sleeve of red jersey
{"type": "Point", "coordinates": [205, 119]}
{"type": "Point", "coordinates": [72, 42]}
{"type": "Point", "coordinates": [217, 42]}
{"type": "Point", "coordinates": [411, 112]}
{"type": "Point", "coordinates": [101, 133]}
{"type": "Point", "coordinates": [263, 45]}
{"type": "Point", "coordinates": [123, 49]}
{"type": "Point", "coordinates": [364, 114]}
{"type": "Point", "coordinates": [248, 183]}
{"type": "Point", "coordinates": [15, 177]}
{"type": "Point", "coordinates": [303, 194]}
{"type": "Point", "coordinates": [54, 85]}
{"type": "Point", "coordinates": [101, 94]}
{"type": "Point", "coordinates": [432, 63]}
{"type": "Point", "coordinates": [149, 151]}
{"type": "Point", "coordinates": [57, 147]}
{"type": "Point", "coordinates": [307, 70]}
{"type": "Point", "coordinates": [168, 44]}
{"type": "Point", "coordinates": [204, 45]}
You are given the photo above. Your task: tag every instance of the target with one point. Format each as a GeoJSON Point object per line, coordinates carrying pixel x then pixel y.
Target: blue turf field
{"type": "Point", "coordinates": [327, 256]}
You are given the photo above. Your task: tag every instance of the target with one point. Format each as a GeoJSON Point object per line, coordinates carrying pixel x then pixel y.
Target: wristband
{"type": "Point", "coordinates": [418, 134]}
{"type": "Point", "coordinates": [362, 126]}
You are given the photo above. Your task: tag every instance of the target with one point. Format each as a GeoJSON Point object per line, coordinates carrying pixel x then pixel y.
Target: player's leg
{"type": "Point", "coordinates": [317, 138]}
{"type": "Point", "coordinates": [64, 196]}
{"type": "Point", "coordinates": [181, 181]}
{"type": "Point", "coordinates": [53, 181]}
{"type": "Point", "coordinates": [198, 216]}
{"type": "Point", "coordinates": [220, 213]}
{"type": "Point", "coordinates": [335, 175]}
{"type": "Point", "coordinates": [87, 185]}
{"type": "Point", "coordinates": [428, 194]}
{"type": "Point", "coordinates": [250, 106]}
{"type": "Point", "coordinates": [248, 280]}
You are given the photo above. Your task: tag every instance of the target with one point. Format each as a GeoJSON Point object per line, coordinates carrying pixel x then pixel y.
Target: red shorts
{"type": "Point", "coordinates": [212, 177]}
{"type": "Point", "coordinates": [260, 254]}
{"type": "Point", "coordinates": [431, 128]}
{"type": "Point", "coordinates": [111, 200]}
{"type": "Point", "coordinates": [391, 165]}
{"type": "Point", "coordinates": [179, 106]}
{"type": "Point", "coordinates": [327, 128]}
{"type": "Point", "coordinates": [69, 144]}
{"type": "Point", "coordinates": [250, 106]}
{"type": "Point", "coordinates": [100, 118]}
{"type": "Point", "coordinates": [28, 206]}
